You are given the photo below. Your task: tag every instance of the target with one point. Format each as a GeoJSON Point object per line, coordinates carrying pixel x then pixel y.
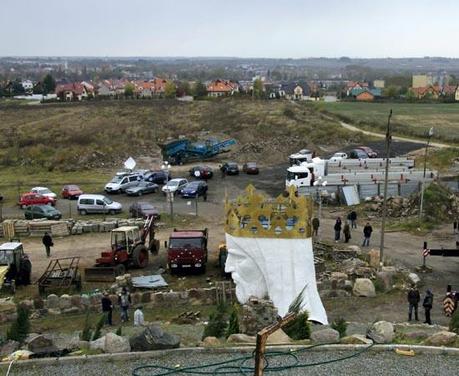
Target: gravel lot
{"type": "Point", "coordinates": [374, 363]}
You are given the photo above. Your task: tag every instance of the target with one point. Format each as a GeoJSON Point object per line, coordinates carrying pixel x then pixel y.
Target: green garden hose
{"type": "Point", "coordinates": [237, 366]}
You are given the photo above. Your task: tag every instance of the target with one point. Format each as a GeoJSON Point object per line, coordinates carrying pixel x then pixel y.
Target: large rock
{"type": "Point", "coordinates": [374, 256]}
{"type": "Point", "coordinates": [414, 278]}
{"type": "Point", "coordinates": [66, 342]}
{"type": "Point", "coordinates": [154, 338]}
{"type": "Point", "coordinates": [52, 301]}
{"type": "Point", "coordinates": [42, 345]}
{"type": "Point", "coordinates": [241, 338]}
{"type": "Point", "coordinates": [442, 338]}
{"type": "Point", "coordinates": [111, 343]}
{"type": "Point", "coordinates": [210, 342]}
{"type": "Point", "coordinates": [364, 287]}
{"type": "Point", "coordinates": [381, 332]}
{"type": "Point", "coordinates": [350, 266]}
{"type": "Point", "coordinates": [65, 302]}
{"type": "Point", "coordinates": [279, 337]}
{"type": "Point", "coordinates": [328, 335]}
{"type": "Point", "coordinates": [356, 339]}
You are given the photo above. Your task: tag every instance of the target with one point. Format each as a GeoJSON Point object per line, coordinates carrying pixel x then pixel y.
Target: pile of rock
{"type": "Point", "coordinates": [257, 314]}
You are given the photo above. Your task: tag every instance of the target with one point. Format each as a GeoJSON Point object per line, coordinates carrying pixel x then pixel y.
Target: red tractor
{"type": "Point", "coordinates": [128, 249]}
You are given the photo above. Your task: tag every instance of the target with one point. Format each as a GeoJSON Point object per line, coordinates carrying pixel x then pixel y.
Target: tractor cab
{"type": "Point", "coordinates": [15, 266]}
{"type": "Point", "coordinates": [125, 238]}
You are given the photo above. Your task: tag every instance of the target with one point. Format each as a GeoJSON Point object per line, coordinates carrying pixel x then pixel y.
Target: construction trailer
{"type": "Point", "coordinates": [61, 273]}
{"type": "Point", "coordinates": [15, 266]}
{"type": "Point", "coordinates": [181, 151]}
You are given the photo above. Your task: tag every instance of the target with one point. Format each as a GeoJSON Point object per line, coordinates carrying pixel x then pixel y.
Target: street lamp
{"type": "Point", "coordinates": [429, 136]}
{"type": "Point", "coordinates": [165, 167]}
{"type": "Point", "coordinates": [317, 184]}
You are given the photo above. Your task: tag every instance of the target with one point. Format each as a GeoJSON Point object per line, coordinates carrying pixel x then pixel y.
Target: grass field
{"type": "Point", "coordinates": [408, 119]}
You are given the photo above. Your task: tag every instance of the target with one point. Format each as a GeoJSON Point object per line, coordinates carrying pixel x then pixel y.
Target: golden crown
{"type": "Point", "coordinates": [253, 215]}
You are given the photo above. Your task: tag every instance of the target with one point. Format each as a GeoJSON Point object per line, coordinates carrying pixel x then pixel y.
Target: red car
{"type": "Point", "coordinates": [31, 198]}
{"type": "Point", "coordinates": [250, 168]}
{"type": "Point", "coordinates": [71, 191]}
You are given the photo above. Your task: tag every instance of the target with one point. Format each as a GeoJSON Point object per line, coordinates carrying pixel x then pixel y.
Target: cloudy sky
{"type": "Point", "coordinates": [245, 28]}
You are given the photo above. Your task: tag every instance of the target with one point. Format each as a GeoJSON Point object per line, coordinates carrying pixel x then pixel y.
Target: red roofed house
{"type": "Point", "coordinates": [71, 92]}
{"type": "Point", "coordinates": [421, 92]}
{"type": "Point", "coordinates": [220, 88]}
{"type": "Point", "coordinates": [353, 85]}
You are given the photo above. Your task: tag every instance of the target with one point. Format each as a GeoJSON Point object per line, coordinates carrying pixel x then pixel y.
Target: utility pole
{"type": "Point", "coordinates": [430, 134]}
{"type": "Point", "coordinates": [386, 178]}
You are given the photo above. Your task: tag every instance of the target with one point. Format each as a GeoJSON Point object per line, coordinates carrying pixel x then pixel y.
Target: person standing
{"type": "Point", "coordinates": [456, 226]}
{"type": "Point", "coordinates": [107, 308]}
{"type": "Point", "coordinates": [427, 304]}
{"type": "Point", "coordinates": [346, 232]}
{"type": "Point", "coordinates": [337, 229]}
{"type": "Point", "coordinates": [124, 300]}
{"type": "Point", "coordinates": [353, 219]}
{"type": "Point", "coordinates": [367, 230]}
{"type": "Point", "coordinates": [47, 241]}
{"type": "Point", "coordinates": [413, 300]}
{"type": "Point", "coordinates": [315, 226]}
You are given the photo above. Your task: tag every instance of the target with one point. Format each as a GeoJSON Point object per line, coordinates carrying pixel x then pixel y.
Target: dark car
{"type": "Point", "coordinates": [194, 189]}
{"type": "Point", "coordinates": [230, 168]}
{"type": "Point", "coordinates": [157, 177]}
{"type": "Point", "coordinates": [42, 211]}
{"type": "Point", "coordinates": [250, 168]}
{"type": "Point", "coordinates": [71, 191]}
{"type": "Point", "coordinates": [142, 188]}
{"type": "Point", "coordinates": [370, 152]}
{"type": "Point", "coordinates": [357, 154]}
{"type": "Point", "coordinates": [201, 172]}
{"type": "Point", "coordinates": [143, 209]}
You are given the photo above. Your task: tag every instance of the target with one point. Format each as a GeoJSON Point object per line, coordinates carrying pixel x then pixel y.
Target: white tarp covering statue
{"type": "Point", "coordinates": [270, 251]}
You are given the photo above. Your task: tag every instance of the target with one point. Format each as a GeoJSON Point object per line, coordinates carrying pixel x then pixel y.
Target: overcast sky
{"type": "Point", "coordinates": [244, 28]}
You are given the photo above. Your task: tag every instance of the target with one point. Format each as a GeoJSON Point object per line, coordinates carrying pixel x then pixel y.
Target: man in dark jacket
{"type": "Point", "coordinates": [353, 219]}
{"type": "Point", "coordinates": [337, 229]}
{"type": "Point", "coordinates": [413, 299]}
{"type": "Point", "coordinates": [427, 304]}
{"type": "Point", "coordinates": [315, 226]}
{"type": "Point", "coordinates": [124, 300]}
{"type": "Point", "coordinates": [48, 243]}
{"type": "Point", "coordinates": [346, 232]}
{"type": "Point", "coordinates": [367, 230]}
{"type": "Point", "coordinates": [107, 308]}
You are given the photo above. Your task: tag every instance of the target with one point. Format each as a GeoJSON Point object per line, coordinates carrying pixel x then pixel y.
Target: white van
{"type": "Point", "coordinates": [122, 182]}
{"type": "Point", "coordinates": [97, 204]}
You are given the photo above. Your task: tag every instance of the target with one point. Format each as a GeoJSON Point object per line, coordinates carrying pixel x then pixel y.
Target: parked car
{"type": "Point", "coordinates": [120, 183]}
{"type": "Point", "coordinates": [97, 204]}
{"type": "Point", "coordinates": [175, 185]}
{"type": "Point", "coordinates": [31, 198]}
{"type": "Point", "coordinates": [250, 168]}
{"type": "Point", "coordinates": [142, 188]}
{"type": "Point", "coordinates": [71, 191]}
{"type": "Point", "coordinates": [143, 209]}
{"type": "Point", "coordinates": [230, 168]}
{"type": "Point", "coordinates": [42, 211]}
{"type": "Point", "coordinates": [338, 157]}
{"type": "Point", "coordinates": [370, 152]}
{"type": "Point", "coordinates": [157, 177]}
{"type": "Point", "coordinates": [201, 172]}
{"type": "Point", "coordinates": [44, 192]}
{"type": "Point", "coordinates": [195, 189]}
{"type": "Point", "coordinates": [358, 154]}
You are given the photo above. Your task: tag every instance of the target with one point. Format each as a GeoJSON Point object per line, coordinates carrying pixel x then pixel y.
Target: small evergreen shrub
{"type": "Point", "coordinates": [340, 326]}
{"type": "Point", "coordinates": [20, 328]}
{"type": "Point", "coordinates": [99, 326]}
{"type": "Point", "coordinates": [454, 323]}
{"type": "Point", "coordinates": [119, 331]}
{"type": "Point", "coordinates": [233, 326]}
{"type": "Point", "coordinates": [299, 328]}
{"type": "Point", "coordinates": [86, 334]}
{"type": "Point", "coordinates": [217, 323]}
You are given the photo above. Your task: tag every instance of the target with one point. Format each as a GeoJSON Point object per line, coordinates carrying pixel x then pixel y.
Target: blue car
{"type": "Point", "coordinates": [194, 189]}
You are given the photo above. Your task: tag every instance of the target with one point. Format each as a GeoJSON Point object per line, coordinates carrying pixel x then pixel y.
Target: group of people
{"type": "Point", "coordinates": [349, 224]}
{"type": "Point", "coordinates": [124, 301]}
{"type": "Point", "coordinates": [414, 298]}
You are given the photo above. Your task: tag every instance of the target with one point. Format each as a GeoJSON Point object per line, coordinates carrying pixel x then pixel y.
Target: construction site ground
{"type": "Point", "coordinates": [401, 248]}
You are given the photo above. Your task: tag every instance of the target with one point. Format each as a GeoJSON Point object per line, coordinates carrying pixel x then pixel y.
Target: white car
{"type": "Point", "coordinates": [174, 185]}
{"type": "Point", "coordinates": [44, 192]}
{"type": "Point", "coordinates": [338, 157]}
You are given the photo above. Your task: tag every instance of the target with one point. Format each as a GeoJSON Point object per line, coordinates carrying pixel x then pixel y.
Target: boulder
{"type": "Point", "coordinates": [356, 339]}
{"type": "Point", "coordinates": [154, 338]}
{"type": "Point", "coordinates": [327, 335]}
{"type": "Point", "coordinates": [210, 342]}
{"type": "Point", "coordinates": [374, 255]}
{"type": "Point", "coordinates": [7, 306]}
{"type": "Point", "coordinates": [76, 300]}
{"type": "Point", "coordinates": [364, 287]}
{"type": "Point", "coordinates": [355, 248]}
{"type": "Point", "coordinates": [52, 301]}
{"type": "Point", "coordinates": [241, 338]}
{"type": "Point", "coordinates": [42, 345]}
{"type": "Point", "coordinates": [414, 278]}
{"type": "Point", "coordinates": [443, 338]}
{"type": "Point", "coordinates": [111, 343]}
{"type": "Point", "coordinates": [416, 335]}
{"type": "Point", "coordinates": [349, 266]}
{"type": "Point", "coordinates": [279, 337]}
{"type": "Point", "coordinates": [66, 342]}
{"type": "Point", "coordinates": [27, 304]}
{"type": "Point", "coordinates": [338, 276]}
{"type": "Point", "coordinates": [381, 332]}
{"type": "Point", "coordinates": [38, 303]}
{"type": "Point", "coordinates": [8, 347]}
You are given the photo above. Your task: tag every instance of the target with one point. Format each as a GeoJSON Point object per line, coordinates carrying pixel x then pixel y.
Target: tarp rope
{"type": "Point", "coordinates": [239, 366]}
